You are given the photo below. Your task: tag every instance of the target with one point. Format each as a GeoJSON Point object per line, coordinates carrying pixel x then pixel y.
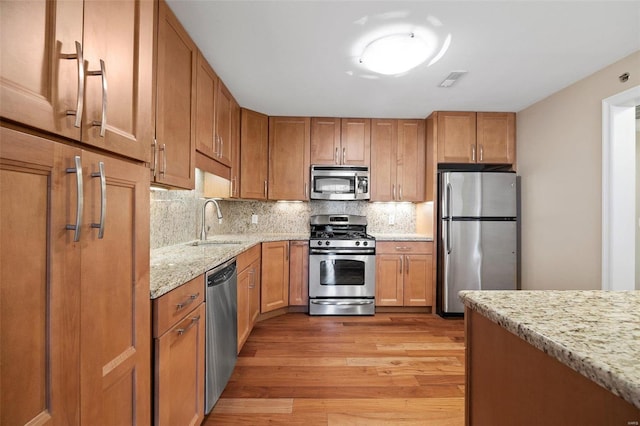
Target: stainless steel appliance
{"type": "Point", "coordinates": [339, 182]}
{"type": "Point", "coordinates": [222, 326]}
{"type": "Point", "coordinates": [477, 228]}
{"type": "Point", "coordinates": [342, 268]}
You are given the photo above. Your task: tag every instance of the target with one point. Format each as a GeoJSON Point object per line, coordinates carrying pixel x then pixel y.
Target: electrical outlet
{"type": "Point", "coordinates": [392, 219]}
{"type": "Point", "coordinates": [254, 219]}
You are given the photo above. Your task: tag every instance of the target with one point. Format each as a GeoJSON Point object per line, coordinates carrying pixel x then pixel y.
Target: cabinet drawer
{"type": "Point", "coordinates": [247, 257]}
{"type": "Point", "coordinates": [404, 247]}
{"type": "Point", "coordinates": [173, 306]}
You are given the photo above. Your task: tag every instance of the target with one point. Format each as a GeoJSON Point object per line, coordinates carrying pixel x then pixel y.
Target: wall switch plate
{"type": "Point", "coordinates": [392, 219]}
{"type": "Point", "coordinates": [254, 218]}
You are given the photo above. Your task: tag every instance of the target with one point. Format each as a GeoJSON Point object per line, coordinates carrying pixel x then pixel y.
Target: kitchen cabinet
{"type": "Point", "coordinates": [254, 154]}
{"type": "Point", "coordinates": [299, 273]}
{"type": "Point", "coordinates": [274, 292]}
{"type": "Point", "coordinates": [404, 273]}
{"type": "Point", "coordinates": [469, 137]}
{"type": "Point", "coordinates": [82, 70]}
{"type": "Point", "coordinates": [343, 141]}
{"type": "Point", "coordinates": [235, 149]}
{"type": "Point", "coordinates": [179, 341]}
{"type": "Point", "coordinates": [74, 272]}
{"type": "Point", "coordinates": [249, 269]}
{"type": "Point", "coordinates": [174, 153]}
{"type": "Point", "coordinates": [224, 124]}
{"type": "Point", "coordinates": [398, 160]}
{"type": "Point", "coordinates": [289, 156]}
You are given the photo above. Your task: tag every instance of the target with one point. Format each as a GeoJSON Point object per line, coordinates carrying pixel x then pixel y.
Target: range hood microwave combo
{"type": "Point", "coordinates": [341, 183]}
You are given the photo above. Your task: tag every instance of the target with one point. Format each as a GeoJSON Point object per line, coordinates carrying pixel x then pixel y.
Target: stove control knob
{"type": "Point", "coordinates": [365, 243]}
{"type": "Point", "coordinates": [319, 243]}
{"type": "Point", "coordinates": [326, 243]}
{"type": "Point", "coordinates": [357, 243]}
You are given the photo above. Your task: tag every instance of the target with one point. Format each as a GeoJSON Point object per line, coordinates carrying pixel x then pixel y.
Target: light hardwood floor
{"type": "Point", "coordinates": [389, 369]}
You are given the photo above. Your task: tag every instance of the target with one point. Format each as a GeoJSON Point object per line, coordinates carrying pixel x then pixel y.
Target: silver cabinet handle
{"type": "Point", "coordinates": [163, 149]}
{"type": "Point", "coordinates": [473, 153]}
{"type": "Point", "coordinates": [194, 321]}
{"type": "Point", "coordinates": [221, 146]}
{"type": "Point", "coordinates": [401, 264]}
{"type": "Point", "coordinates": [189, 300]}
{"type": "Point", "coordinates": [344, 155]}
{"type": "Point", "coordinates": [215, 145]}
{"type": "Point", "coordinates": [408, 263]}
{"type": "Point", "coordinates": [481, 152]}
{"type": "Point", "coordinates": [103, 199]}
{"type": "Point", "coordinates": [400, 192]}
{"type": "Point", "coordinates": [80, 100]}
{"type": "Point", "coordinates": [336, 156]}
{"type": "Point", "coordinates": [306, 189]}
{"type": "Point", "coordinates": [79, 198]}
{"type": "Point", "coordinates": [265, 188]}
{"type": "Point", "coordinates": [103, 120]}
{"type": "Point", "coordinates": [154, 147]}
{"type": "Point", "coordinates": [393, 190]}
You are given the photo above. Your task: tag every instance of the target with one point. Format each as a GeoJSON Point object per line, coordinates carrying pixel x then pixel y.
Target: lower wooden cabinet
{"type": "Point", "coordinates": [299, 273]}
{"type": "Point", "coordinates": [248, 265]}
{"type": "Point", "coordinates": [275, 276]}
{"type": "Point", "coordinates": [179, 331]}
{"type": "Point", "coordinates": [404, 273]}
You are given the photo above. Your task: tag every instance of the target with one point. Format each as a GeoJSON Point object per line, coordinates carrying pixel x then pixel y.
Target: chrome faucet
{"type": "Point", "coordinates": [203, 231]}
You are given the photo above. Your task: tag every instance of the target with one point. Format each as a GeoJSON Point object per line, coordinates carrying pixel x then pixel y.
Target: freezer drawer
{"type": "Point", "coordinates": [472, 194]}
{"type": "Point", "coordinates": [477, 255]}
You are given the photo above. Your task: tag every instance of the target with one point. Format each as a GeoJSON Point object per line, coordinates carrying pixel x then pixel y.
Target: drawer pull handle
{"type": "Point", "coordinates": [194, 321]}
{"type": "Point", "coordinates": [187, 302]}
{"type": "Point", "coordinates": [404, 248]}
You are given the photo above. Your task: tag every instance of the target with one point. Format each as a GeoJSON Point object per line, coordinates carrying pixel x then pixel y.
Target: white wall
{"type": "Point", "coordinates": [559, 149]}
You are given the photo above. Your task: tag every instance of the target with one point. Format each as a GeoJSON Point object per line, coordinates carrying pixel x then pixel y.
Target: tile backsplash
{"type": "Point", "coordinates": [176, 215]}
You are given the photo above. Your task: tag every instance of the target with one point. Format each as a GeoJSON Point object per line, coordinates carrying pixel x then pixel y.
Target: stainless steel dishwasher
{"type": "Point", "coordinates": [222, 329]}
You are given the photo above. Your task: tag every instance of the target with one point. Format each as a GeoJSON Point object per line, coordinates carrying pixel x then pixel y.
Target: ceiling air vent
{"type": "Point", "coordinates": [451, 78]}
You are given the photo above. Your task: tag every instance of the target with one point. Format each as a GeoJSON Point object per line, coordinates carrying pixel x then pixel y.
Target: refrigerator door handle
{"type": "Point", "coordinates": [449, 218]}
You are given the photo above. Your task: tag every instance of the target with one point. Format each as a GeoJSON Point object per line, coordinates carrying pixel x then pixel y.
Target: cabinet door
{"type": "Point", "coordinates": [39, 282]}
{"type": "Point", "coordinates": [418, 285]}
{"type": "Point", "coordinates": [224, 125]}
{"type": "Point", "coordinates": [299, 273]}
{"type": "Point", "coordinates": [383, 156]}
{"type": "Point", "coordinates": [206, 87]}
{"type": "Point", "coordinates": [389, 273]}
{"type": "Point", "coordinates": [244, 281]}
{"type": "Point", "coordinates": [255, 285]}
{"type": "Point", "coordinates": [254, 154]}
{"type": "Point", "coordinates": [115, 305]}
{"type": "Point", "coordinates": [289, 140]}
{"type": "Point", "coordinates": [235, 149]}
{"type": "Point", "coordinates": [122, 37]}
{"type": "Point", "coordinates": [275, 276]}
{"type": "Point", "coordinates": [356, 141]}
{"type": "Point", "coordinates": [325, 141]}
{"type": "Point", "coordinates": [180, 354]}
{"type": "Point", "coordinates": [456, 137]}
{"type": "Point", "coordinates": [175, 114]}
{"type": "Point", "coordinates": [410, 157]}
{"type": "Point", "coordinates": [38, 85]}
{"type": "Point", "coordinates": [496, 133]}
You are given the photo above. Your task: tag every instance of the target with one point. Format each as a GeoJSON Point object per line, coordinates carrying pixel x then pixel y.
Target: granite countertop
{"type": "Point", "coordinates": [175, 265]}
{"type": "Point", "coordinates": [401, 237]}
{"type": "Point", "coordinates": [596, 333]}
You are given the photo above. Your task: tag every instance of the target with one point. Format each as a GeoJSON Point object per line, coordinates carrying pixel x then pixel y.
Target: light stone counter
{"type": "Point", "coordinates": [175, 265]}
{"type": "Point", "coordinates": [401, 237]}
{"type": "Point", "coordinates": [596, 333]}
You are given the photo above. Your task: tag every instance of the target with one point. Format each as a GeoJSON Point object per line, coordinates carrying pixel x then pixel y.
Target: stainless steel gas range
{"type": "Point", "coordinates": [342, 266]}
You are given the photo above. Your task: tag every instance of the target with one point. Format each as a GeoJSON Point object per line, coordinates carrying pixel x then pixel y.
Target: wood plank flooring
{"type": "Point", "coordinates": [388, 369]}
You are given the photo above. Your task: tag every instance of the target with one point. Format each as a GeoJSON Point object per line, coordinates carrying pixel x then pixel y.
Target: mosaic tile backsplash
{"type": "Point", "coordinates": [176, 215]}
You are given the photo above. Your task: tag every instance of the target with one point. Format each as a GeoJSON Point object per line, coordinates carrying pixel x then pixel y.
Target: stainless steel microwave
{"type": "Point", "coordinates": [339, 182]}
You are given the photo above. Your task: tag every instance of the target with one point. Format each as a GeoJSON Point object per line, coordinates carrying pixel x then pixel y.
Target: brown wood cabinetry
{"type": "Point", "coordinates": [224, 124]}
{"type": "Point", "coordinates": [398, 160]}
{"type": "Point", "coordinates": [249, 270]}
{"type": "Point", "coordinates": [254, 154]}
{"type": "Point", "coordinates": [404, 273]}
{"type": "Point", "coordinates": [174, 157]}
{"type": "Point", "coordinates": [275, 276]}
{"type": "Point", "coordinates": [206, 89]}
{"type": "Point", "coordinates": [68, 368]}
{"type": "Point", "coordinates": [89, 59]}
{"type": "Point", "coordinates": [289, 145]}
{"type": "Point", "coordinates": [345, 141]}
{"type": "Point", "coordinates": [299, 273]}
{"type": "Point", "coordinates": [179, 331]}
{"type": "Point", "coordinates": [235, 149]}
{"type": "Point", "coordinates": [469, 137]}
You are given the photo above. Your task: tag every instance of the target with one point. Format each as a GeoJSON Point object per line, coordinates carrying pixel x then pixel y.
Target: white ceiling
{"type": "Point", "coordinates": [298, 58]}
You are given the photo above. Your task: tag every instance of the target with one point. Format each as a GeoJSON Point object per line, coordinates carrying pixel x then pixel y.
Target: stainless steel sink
{"type": "Point", "coordinates": [214, 243]}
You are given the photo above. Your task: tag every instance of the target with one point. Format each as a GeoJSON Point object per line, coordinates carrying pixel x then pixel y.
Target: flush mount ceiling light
{"type": "Point", "coordinates": [395, 53]}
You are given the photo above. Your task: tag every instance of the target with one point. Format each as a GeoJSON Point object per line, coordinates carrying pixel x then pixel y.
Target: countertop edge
{"type": "Point", "coordinates": [587, 367]}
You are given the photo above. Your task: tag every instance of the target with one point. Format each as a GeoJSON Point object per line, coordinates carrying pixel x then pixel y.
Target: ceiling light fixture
{"type": "Point", "coordinates": [395, 54]}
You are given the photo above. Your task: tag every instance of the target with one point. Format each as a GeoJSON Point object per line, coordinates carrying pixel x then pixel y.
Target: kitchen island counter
{"type": "Point", "coordinates": [175, 265]}
{"type": "Point", "coordinates": [594, 333]}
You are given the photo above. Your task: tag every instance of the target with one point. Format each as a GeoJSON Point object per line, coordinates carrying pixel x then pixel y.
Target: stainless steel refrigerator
{"type": "Point", "coordinates": [478, 235]}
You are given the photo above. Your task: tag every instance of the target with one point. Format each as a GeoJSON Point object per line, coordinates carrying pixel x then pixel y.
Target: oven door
{"type": "Point", "coordinates": [342, 275]}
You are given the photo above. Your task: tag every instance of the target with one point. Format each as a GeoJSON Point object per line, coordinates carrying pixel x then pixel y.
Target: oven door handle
{"type": "Point", "coordinates": [325, 251]}
{"type": "Point", "coordinates": [356, 303]}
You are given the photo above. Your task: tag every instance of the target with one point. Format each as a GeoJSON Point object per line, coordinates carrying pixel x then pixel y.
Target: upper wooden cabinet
{"type": "Point", "coordinates": [289, 146]}
{"type": "Point", "coordinates": [235, 149]}
{"type": "Point", "coordinates": [398, 160]}
{"type": "Point", "coordinates": [254, 154]}
{"type": "Point", "coordinates": [206, 88]}
{"type": "Point", "coordinates": [84, 71]}
{"type": "Point", "coordinates": [224, 124]}
{"type": "Point", "coordinates": [343, 141]}
{"type": "Point", "coordinates": [469, 137]}
{"type": "Point", "coordinates": [174, 159]}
